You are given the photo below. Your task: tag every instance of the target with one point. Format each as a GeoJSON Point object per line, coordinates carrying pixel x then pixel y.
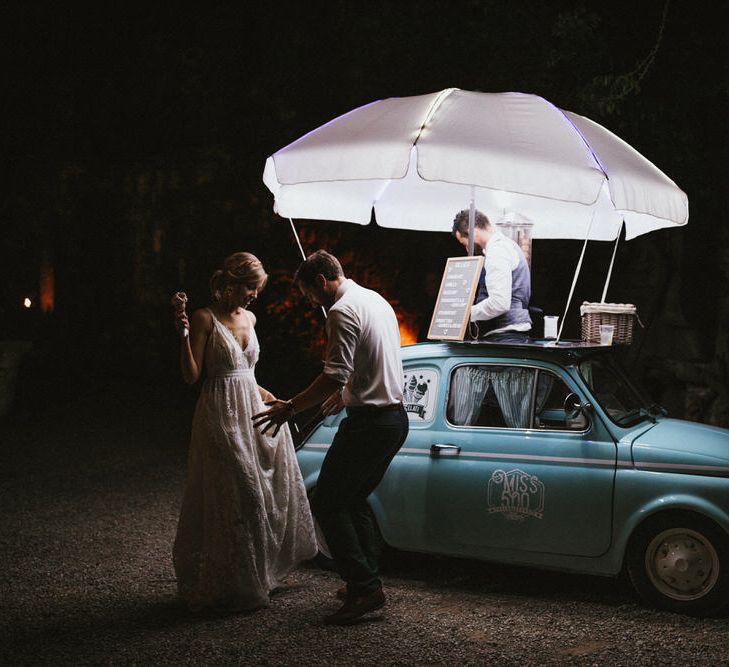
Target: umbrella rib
{"type": "Point", "coordinates": [587, 144]}
{"type": "Point", "coordinates": [432, 109]}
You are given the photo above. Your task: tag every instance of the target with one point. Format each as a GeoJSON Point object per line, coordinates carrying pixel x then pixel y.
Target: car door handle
{"type": "Point", "coordinates": [447, 450]}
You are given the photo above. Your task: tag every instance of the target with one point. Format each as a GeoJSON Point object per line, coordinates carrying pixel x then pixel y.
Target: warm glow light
{"type": "Point", "coordinates": [407, 323]}
{"type": "Point", "coordinates": [47, 288]}
{"type": "Point", "coordinates": [27, 302]}
{"type": "Point", "coordinates": [408, 335]}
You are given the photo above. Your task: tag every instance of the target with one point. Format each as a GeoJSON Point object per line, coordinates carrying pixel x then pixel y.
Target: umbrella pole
{"type": "Point", "coordinates": [298, 240]}
{"type": "Point", "coordinates": [610, 270]}
{"type": "Point", "coordinates": [471, 220]}
{"type": "Point", "coordinates": [574, 279]}
{"type": "Point", "coordinates": [303, 255]}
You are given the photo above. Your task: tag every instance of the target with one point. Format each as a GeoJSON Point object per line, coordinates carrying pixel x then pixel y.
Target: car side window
{"type": "Point", "coordinates": [549, 405]}
{"type": "Point", "coordinates": [495, 396]}
{"type": "Point", "coordinates": [510, 397]}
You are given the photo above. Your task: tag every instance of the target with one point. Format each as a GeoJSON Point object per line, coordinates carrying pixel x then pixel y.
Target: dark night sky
{"type": "Point", "coordinates": [117, 127]}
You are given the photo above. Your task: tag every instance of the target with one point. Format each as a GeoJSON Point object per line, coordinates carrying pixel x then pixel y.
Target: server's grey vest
{"type": "Point", "coordinates": [521, 292]}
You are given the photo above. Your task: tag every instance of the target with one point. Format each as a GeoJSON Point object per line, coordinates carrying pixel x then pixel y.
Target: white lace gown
{"type": "Point", "coordinates": [245, 520]}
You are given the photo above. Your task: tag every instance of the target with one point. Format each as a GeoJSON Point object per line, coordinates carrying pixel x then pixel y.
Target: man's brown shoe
{"type": "Point", "coordinates": [354, 608]}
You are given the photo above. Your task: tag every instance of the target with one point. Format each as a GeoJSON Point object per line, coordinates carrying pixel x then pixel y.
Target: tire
{"type": "Point", "coordinates": [679, 561]}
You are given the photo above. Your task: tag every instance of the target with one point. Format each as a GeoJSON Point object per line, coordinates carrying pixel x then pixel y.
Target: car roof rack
{"type": "Point", "coordinates": [541, 343]}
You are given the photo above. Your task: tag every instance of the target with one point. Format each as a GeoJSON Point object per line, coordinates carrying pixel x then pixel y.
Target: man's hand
{"type": "Point", "coordinates": [276, 416]}
{"type": "Point", "coordinates": [333, 404]}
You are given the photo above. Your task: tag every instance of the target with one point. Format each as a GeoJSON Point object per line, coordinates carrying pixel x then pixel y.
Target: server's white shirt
{"type": "Point", "coordinates": [363, 347]}
{"type": "Point", "coordinates": [501, 257]}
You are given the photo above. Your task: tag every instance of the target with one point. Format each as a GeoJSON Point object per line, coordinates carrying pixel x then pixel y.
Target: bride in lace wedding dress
{"type": "Point", "coordinates": [245, 520]}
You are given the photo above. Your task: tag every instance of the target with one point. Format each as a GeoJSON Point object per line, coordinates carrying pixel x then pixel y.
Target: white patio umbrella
{"type": "Point", "coordinates": [419, 160]}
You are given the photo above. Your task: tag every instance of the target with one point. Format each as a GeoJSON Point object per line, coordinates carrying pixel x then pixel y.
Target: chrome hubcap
{"type": "Point", "coordinates": [682, 564]}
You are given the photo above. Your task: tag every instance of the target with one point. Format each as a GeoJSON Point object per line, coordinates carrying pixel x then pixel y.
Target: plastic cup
{"type": "Point", "coordinates": [550, 326]}
{"type": "Point", "coordinates": [606, 334]}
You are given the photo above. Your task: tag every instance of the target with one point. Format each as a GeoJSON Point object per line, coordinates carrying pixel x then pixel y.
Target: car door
{"type": "Point", "coordinates": [506, 468]}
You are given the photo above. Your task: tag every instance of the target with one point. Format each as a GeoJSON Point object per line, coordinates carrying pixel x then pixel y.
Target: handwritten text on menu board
{"type": "Point", "coordinates": [453, 306]}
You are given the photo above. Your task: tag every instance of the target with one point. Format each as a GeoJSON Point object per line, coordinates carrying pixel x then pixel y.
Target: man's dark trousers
{"type": "Point", "coordinates": [365, 443]}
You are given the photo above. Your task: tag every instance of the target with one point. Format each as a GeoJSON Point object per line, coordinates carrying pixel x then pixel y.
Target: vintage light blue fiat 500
{"type": "Point", "coordinates": [549, 457]}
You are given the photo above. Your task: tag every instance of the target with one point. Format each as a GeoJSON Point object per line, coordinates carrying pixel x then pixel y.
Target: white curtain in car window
{"type": "Point", "coordinates": [544, 387]}
{"type": "Point", "coordinates": [469, 388]}
{"type": "Point", "coordinates": [513, 388]}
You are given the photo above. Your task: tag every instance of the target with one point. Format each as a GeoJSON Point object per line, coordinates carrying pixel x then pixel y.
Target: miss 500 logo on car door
{"type": "Point", "coordinates": [515, 494]}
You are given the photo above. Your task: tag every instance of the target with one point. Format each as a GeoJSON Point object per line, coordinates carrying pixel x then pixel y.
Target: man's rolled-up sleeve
{"type": "Point", "coordinates": [342, 337]}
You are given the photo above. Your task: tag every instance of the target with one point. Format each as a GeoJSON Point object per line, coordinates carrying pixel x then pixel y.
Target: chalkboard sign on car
{"type": "Point", "coordinates": [455, 297]}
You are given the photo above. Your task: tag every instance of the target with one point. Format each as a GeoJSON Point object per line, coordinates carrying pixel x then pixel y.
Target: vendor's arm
{"type": "Point", "coordinates": [498, 285]}
{"type": "Point", "coordinates": [192, 347]}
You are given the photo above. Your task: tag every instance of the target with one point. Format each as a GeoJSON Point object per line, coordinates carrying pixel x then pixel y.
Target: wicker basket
{"type": "Point", "coordinates": [620, 315]}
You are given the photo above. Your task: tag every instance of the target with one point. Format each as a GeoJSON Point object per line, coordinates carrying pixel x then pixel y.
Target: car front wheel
{"type": "Point", "coordinates": [680, 561]}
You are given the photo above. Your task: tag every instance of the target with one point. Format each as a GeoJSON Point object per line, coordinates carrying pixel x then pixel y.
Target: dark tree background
{"type": "Point", "coordinates": [134, 144]}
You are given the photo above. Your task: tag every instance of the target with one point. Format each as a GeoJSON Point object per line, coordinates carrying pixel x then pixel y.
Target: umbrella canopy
{"type": "Point", "coordinates": [419, 160]}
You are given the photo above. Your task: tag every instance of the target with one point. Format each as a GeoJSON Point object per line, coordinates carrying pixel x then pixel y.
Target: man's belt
{"type": "Point", "coordinates": [358, 410]}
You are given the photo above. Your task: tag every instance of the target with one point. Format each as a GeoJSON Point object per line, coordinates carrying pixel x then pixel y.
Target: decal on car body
{"type": "Point", "coordinates": [515, 494]}
{"type": "Point", "coordinates": [419, 393]}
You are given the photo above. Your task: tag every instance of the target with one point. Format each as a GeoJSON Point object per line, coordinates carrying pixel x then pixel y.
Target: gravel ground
{"type": "Point", "coordinates": [89, 494]}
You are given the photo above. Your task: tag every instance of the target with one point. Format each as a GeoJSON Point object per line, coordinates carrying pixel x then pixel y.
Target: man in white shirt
{"type": "Point", "coordinates": [362, 372]}
{"type": "Point", "coordinates": [501, 310]}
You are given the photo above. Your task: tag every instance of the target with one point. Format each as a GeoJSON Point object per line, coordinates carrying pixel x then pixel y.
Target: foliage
{"type": "Point", "coordinates": [137, 143]}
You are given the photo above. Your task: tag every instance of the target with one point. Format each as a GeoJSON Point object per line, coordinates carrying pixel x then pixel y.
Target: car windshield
{"type": "Point", "coordinates": [611, 388]}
